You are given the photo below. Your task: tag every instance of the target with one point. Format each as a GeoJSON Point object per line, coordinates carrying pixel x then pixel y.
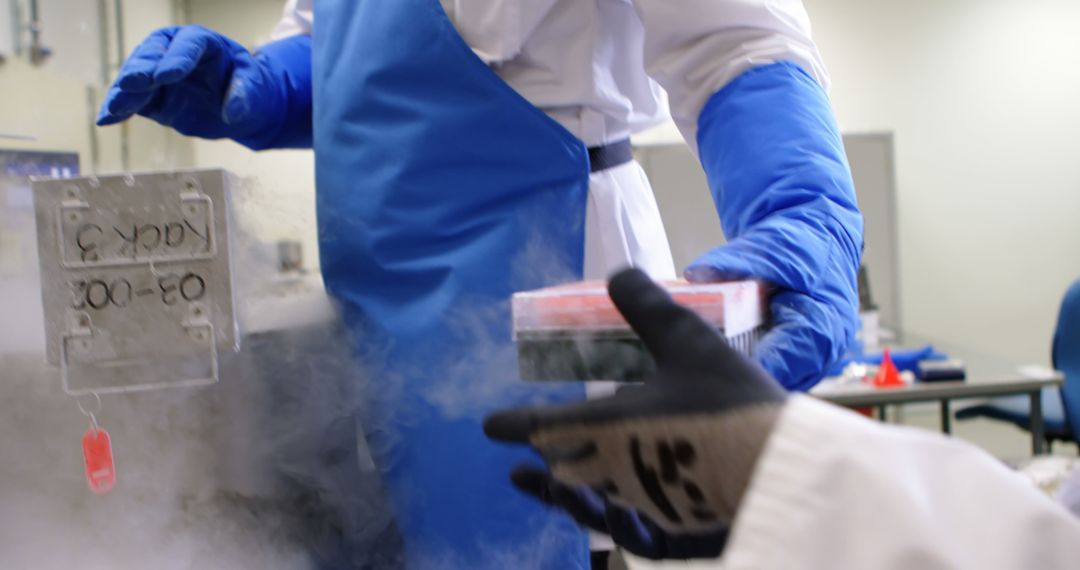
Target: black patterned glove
{"type": "Point", "coordinates": [660, 467]}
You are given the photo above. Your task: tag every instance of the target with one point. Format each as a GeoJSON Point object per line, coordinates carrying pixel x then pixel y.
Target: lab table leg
{"type": "Point", "coordinates": [1038, 437]}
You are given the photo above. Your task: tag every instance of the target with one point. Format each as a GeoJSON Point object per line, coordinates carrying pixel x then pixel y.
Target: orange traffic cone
{"type": "Point", "coordinates": [888, 376]}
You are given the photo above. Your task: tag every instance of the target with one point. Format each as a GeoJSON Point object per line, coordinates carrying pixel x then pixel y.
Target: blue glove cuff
{"type": "Point", "coordinates": [284, 69]}
{"type": "Point", "coordinates": [776, 166]}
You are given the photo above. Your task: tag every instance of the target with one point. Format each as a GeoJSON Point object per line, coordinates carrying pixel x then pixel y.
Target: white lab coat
{"type": "Point", "coordinates": [836, 491]}
{"type": "Point", "coordinates": [596, 68]}
{"type": "Point", "coordinates": [594, 65]}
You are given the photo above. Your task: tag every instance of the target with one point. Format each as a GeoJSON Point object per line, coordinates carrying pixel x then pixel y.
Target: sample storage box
{"type": "Point", "coordinates": [574, 332]}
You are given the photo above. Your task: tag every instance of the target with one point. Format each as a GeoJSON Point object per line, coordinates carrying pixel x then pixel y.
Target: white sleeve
{"type": "Point", "coordinates": [1069, 492]}
{"type": "Point", "coordinates": [836, 491]}
{"type": "Point", "coordinates": [693, 48]}
{"type": "Point", "coordinates": [496, 29]}
{"type": "Point", "coordinates": [295, 20]}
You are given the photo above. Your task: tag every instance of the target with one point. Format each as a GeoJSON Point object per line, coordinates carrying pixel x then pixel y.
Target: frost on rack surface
{"type": "Point", "coordinates": [137, 279]}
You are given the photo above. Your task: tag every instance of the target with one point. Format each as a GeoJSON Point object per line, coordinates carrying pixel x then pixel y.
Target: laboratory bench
{"type": "Point", "coordinates": [987, 376]}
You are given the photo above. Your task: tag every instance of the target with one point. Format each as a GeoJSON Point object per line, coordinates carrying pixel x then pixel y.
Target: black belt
{"type": "Point", "coordinates": [610, 155]}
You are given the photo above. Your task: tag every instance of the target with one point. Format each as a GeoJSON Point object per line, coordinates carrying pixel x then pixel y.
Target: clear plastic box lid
{"type": "Point", "coordinates": [585, 307]}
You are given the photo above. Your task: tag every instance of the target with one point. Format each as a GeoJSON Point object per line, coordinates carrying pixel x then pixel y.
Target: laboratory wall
{"type": "Point", "coordinates": [51, 106]}
{"type": "Point", "coordinates": [983, 97]}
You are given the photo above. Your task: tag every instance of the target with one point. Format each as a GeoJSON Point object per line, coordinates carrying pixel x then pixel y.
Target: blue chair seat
{"type": "Point", "coordinates": [1016, 410]}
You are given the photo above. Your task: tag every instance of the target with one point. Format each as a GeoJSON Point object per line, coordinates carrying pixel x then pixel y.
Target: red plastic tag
{"type": "Point", "coordinates": [100, 469]}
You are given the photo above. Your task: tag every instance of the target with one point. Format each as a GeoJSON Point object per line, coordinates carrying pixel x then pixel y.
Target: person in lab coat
{"type": "Point", "coordinates": [467, 149]}
{"type": "Point", "coordinates": [711, 456]}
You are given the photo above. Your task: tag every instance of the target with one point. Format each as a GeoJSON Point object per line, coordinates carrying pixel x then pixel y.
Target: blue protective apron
{"type": "Point", "coordinates": [441, 191]}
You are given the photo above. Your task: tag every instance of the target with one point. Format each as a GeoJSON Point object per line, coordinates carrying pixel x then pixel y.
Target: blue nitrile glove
{"type": "Point", "coordinates": [204, 84]}
{"type": "Point", "coordinates": [778, 174]}
{"type": "Point", "coordinates": [660, 467]}
{"type": "Point", "coordinates": [627, 528]}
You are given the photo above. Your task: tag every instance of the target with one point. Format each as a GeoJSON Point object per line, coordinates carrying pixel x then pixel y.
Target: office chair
{"type": "Point", "coordinates": [1061, 408]}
